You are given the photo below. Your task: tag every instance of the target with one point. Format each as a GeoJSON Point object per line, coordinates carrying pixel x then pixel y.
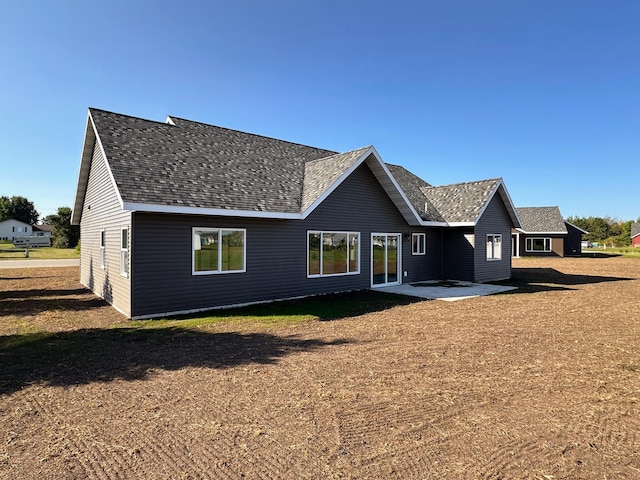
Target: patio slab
{"type": "Point", "coordinates": [447, 290]}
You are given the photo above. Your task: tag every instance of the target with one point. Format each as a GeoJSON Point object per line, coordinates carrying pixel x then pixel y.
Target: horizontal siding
{"type": "Point", "coordinates": [458, 254]}
{"type": "Point", "coordinates": [276, 263]}
{"type": "Point", "coordinates": [495, 220]}
{"type": "Point", "coordinates": [101, 210]}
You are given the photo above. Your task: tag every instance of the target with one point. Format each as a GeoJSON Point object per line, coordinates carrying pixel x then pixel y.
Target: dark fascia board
{"type": "Point", "coordinates": [577, 228]}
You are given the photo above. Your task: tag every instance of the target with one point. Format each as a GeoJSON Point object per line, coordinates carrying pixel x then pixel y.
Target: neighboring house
{"type": "Point", "coordinates": [181, 216]}
{"type": "Point", "coordinates": [10, 229]}
{"type": "Point", "coordinates": [573, 240]}
{"type": "Point", "coordinates": [543, 232]}
{"type": "Point", "coordinates": [635, 235]}
{"type": "Point", "coordinates": [43, 230]}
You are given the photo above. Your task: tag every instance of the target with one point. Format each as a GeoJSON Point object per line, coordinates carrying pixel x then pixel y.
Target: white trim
{"type": "Point", "coordinates": [123, 272]}
{"type": "Point", "coordinates": [542, 233]}
{"type": "Point", "coordinates": [106, 162]}
{"type": "Point", "coordinates": [424, 243]}
{"type": "Point", "coordinates": [323, 275]}
{"type": "Point", "coordinates": [103, 248]}
{"type": "Point", "coordinates": [544, 250]}
{"type": "Point", "coordinates": [219, 271]}
{"type": "Point", "coordinates": [370, 152]}
{"type": "Point", "coordinates": [220, 212]}
{"type": "Point", "coordinates": [493, 257]}
{"type": "Point", "coordinates": [578, 228]}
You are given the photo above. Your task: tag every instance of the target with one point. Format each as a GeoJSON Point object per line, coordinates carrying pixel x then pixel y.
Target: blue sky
{"type": "Point", "coordinates": [545, 94]}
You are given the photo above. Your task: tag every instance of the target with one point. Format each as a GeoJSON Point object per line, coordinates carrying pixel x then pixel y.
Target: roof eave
{"type": "Point", "coordinates": [83, 171]}
{"type": "Point", "coordinates": [540, 233]}
{"type": "Point", "coordinates": [222, 212]}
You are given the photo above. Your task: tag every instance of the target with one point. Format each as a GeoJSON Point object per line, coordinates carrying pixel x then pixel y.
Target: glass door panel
{"type": "Point", "coordinates": [385, 261]}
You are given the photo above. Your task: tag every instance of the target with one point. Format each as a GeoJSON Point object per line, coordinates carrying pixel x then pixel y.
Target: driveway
{"type": "Point", "coordinates": [34, 263]}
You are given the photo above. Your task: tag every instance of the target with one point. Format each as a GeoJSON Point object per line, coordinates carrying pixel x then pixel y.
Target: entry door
{"type": "Point", "coordinates": [386, 259]}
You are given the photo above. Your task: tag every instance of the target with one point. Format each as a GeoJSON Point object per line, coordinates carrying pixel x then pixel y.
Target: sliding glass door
{"type": "Point", "coordinates": [386, 259]}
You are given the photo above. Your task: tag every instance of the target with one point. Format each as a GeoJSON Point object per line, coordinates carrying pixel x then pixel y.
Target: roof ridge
{"type": "Point", "coordinates": [497, 179]}
{"type": "Point", "coordinates": [249, 133]}
{"type": "Point", "coordinates": [94, 109]}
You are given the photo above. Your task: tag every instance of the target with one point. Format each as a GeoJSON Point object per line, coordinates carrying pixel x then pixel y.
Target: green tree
{"type": "Point", "coordinates": [65, 235]}
{"type": "Point", "coordinates": [18, 208]}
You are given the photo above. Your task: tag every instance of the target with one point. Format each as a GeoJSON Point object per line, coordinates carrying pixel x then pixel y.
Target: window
{"type": "Point", "coordinates": [124, 252]}
{"type": "Point", "coordinates": [102, 248]}
{"type": "Point", "coordinates": [538, 244]}
{"type": "Point", "coordinates": [333, 253]}
{"type": "Point", "coordinates": [218, 250]}
{"type": "Point", "coordinates": [494, 247]}
{"type": "Point", "coordinates": [418, 244]}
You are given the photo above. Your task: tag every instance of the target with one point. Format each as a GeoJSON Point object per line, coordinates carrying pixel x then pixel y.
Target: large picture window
{"type": "Point", "coordinates": [218, 250]}
{"type": "Point", "coordinates": [333, 253]}
{"type": "Point", "coordinates": [538, 244]}
{"type": "Point", "coordinates": [494, 247]}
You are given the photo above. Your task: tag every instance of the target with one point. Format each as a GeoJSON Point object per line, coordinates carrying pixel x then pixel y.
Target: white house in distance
{"type": "Point", "coordinates": [10, 229]}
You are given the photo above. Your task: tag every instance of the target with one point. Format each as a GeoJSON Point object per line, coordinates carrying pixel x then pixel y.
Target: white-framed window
{"type": "Point", "coordinates": [494, 247]}
{"type": "Point", "coordinates": [103, 236]}
{"type": "Point", "coordinates": [418, 243]}
{"type": "Point", "coordinates": [124, 251]}
{"type": "Point", "coordinates": [537, 244]}
{"type": "Point", "coordinates": [333, 253]}
{"type": "Point", "coordinates": [218, 250]}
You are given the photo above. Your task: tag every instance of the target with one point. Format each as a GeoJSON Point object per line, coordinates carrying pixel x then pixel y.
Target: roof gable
{"type": "Point", "coordinates": [15, 222]}
{"type": "Point", "coordinates": [541, 220]}
{"type": "Point", "coordinates": [635, 229]}
{"type": "Point", "coordinates": [464, 203]}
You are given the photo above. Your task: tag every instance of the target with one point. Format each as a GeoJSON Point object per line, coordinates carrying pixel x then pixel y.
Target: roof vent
{"type": "Point", "coordinates": [170, 121]}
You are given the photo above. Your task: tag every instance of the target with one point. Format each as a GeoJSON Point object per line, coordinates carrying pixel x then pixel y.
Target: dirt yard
{"type": "Point", "coordinates": [542, 383]}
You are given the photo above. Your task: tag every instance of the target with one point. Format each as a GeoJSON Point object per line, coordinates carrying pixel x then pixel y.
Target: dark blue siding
{"type": "Point", "coordinates": [276, 263]}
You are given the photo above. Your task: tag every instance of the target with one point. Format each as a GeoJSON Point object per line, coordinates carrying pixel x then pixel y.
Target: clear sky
{"type": "Point", "coordinates": [543, 93]}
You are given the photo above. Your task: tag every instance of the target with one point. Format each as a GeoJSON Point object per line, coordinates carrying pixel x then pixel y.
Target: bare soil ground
{"type": "Point", "coordinates": [540, 383]}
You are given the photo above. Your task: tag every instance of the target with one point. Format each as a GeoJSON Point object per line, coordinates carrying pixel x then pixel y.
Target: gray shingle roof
{"type": "Point", "coordinates": [320, 174]}
{"type": "Point", "coordinates": [635, 229]}
{"type": "Point", "coordinates": [196, 165]}
{"type": "Point", "coordinates": [541, 220]}
{"type": "Point", "coordinates": [183, 165]}
{"type": "Point", "coordinates": [411, 185]}
{"type": "Point", "coordinates": [461, 202]}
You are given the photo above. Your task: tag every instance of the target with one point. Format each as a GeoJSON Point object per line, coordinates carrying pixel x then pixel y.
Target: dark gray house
{"type": "Point", "coordinates": [181, 216]}
{"type": "Point", "coordinates": [543, 232]}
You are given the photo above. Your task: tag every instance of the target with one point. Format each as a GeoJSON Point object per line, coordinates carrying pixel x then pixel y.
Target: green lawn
{"type": "Point", "coordinates": [8, 252]}
{"type": "Point", "coordinates": [624, 251]}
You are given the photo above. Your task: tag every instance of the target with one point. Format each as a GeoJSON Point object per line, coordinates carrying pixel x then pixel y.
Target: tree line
{"type": "Point", "coordinates": [605, 230]}
{"type": "Point", "coordinates": [64, 235]}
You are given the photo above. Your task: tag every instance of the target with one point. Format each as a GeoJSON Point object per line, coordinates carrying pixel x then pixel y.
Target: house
{"type": "Point", "coordinates": [181, 216]}
{"type": "Point", "coordinates": [543, 232]}
{"type": "Point", "coordinates": [635, 235]}
{"type": "Point", "coordinates": [43, 230]}
{"type": "Point", "coordinates": [12, 228]}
